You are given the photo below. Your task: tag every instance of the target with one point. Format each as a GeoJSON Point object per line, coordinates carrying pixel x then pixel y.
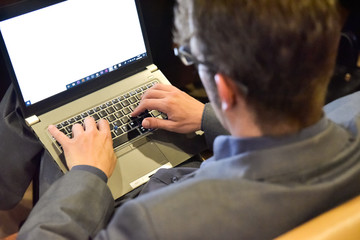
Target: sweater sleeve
{"type": "Point", "coordinates": [77, 206]}
{"type": "Point", "coordinates": [20, 152]}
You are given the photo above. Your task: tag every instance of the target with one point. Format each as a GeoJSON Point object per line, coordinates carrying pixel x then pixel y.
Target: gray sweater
{"type": "Point", "coordinates": [250, 189]}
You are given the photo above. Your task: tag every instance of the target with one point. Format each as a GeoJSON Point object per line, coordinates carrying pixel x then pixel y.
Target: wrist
{"type": "Point", "coordinates": [91, 169]}
{"type": "Point", "coordinates": [200, 117]}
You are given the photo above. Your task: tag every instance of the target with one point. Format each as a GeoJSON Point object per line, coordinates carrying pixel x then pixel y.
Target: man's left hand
{"type": "Point", "coordinates": [91, 145]}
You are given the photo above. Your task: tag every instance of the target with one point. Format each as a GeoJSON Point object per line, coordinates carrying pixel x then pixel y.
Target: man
{"type": "Point", "coordinates": [265, 65]}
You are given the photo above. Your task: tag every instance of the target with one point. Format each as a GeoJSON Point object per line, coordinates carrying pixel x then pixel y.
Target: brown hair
{"type": "Point", "coordinates": [283, 50]}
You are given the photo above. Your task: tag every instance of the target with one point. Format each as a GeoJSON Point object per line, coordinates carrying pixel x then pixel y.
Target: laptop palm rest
{"type": "Point", "coordinates": [135, 166]}
{"type": "Point", "coordinates": [141, 159]}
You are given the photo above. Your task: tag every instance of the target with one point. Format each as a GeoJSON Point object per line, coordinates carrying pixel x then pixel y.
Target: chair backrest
{"type": "Point", "coordinates": [342, 222]}
{"type": "Point", "coordinates": [11, 237]}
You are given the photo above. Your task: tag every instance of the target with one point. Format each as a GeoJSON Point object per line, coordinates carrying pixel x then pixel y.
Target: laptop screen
{"type": "Point", "coordinates": [67, 44]}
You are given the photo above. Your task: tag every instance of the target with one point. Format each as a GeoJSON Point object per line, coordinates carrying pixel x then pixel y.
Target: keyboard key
{"type": "Point", "coordinates": [144, 130]}
{"type": "Point", "coordinates": [164, 116]}
{"type": "Point", "coordinates": [155, 113]}
{"type": "Point", "coordinates": [125, 138]}
{"type": "Point", "coordinates": [69, 128]}
{"type": "Point", "coordinates": [118, 132]}
{"type": "Point", "coordinates": [134, 124]}
{"type": "Point", "coordinates": [103, 114]}
{"type": "Point", "coordinates": [118, 106]}
{"type": "Point", "coordinates": [132, 107]}
{"type": "Point", "coordinates": [96, 117]}
{"type": "Point", "coordinates": [125, 120]}
{"type": "Point", "coordinates": [132, 100]}
{"type": "Point", "coordinates": [117, 123]}
{"type": "Point", "coordinates": [110, 110]}
{"type": "Point", "coordinates": [125, 103]}
{"type": "Point", "coordinates": [126, 111]}
{"type": "Point", "coordinates": [111, 118]}
{"type": "Point", "coordinates": [59, 145]}
{"type": "Point", "coordinates": [63, 131]}
{"type": "Point", "coordinates": [116, 111]}
{"type": "Point", "coordinates": [71, 121]}
{"type": "Point", "coordinates": [119, 114]}
{"type": "Point", "coordinates": [126, 128]}
{"type": "Point", "coordinates": [145, 115]}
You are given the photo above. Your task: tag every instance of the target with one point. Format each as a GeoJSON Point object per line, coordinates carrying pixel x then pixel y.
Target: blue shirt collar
{"type": "Point", "coordinates": [227, 146]}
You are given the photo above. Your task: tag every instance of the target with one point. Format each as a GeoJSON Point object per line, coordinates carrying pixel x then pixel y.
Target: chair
{"type": "Point", "coordinates": [342, 222]}
{"type": "Point", "coordinates": [11, 237]}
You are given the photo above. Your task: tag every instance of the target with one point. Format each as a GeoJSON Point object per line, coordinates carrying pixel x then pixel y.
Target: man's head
{"type": "Point", "coordinates": [283, 51]}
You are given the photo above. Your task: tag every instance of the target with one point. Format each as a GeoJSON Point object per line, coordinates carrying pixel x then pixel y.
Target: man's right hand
{"type": "Point", "coordinates": [184, 112]}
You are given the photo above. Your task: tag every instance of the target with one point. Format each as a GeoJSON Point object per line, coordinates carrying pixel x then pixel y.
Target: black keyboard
{"type": "Point", "coordinates": [117, 111]}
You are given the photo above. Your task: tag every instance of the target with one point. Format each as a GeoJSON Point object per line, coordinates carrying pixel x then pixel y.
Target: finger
{"type": "Point", "coordinates": [159, 91]}
{"type": "Point", "coordinates": [57, 134]}
{"type": "Point", "coordinates": [90, 124]}
{"type": "Point", "coordinates": [138, 110]}
{"type": "Point", "coordinates": [158, 123]}
{"type": "Point", "coordinates": [77, 129]}
{"type": "Point", "coordinates": [149, 104]}
{"type": "Point", "coordinates": [154, 94]}
{"type": "Point", "coordinates": [103, 125]}
{"type": "Point", "coordinates": [163, 87]}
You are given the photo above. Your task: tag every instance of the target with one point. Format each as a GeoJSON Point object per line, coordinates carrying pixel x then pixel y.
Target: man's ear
{"type": "Point", "coordinates": [226, 91]}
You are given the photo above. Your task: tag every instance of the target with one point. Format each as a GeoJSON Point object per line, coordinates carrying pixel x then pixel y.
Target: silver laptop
{"type": "Point", "coordinates": [78, 58]}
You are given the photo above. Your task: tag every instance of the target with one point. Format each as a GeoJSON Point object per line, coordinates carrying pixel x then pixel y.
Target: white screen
{"type": "Point", "coordinates": [60, 44]}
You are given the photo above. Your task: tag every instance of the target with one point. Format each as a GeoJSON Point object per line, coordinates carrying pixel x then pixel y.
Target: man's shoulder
{"type": "Point", "coordinates": [233, 207]}
{"type": "Point", "coordinates": [345, 109]}
{"type": "Point", "coordinates": [187, 209]}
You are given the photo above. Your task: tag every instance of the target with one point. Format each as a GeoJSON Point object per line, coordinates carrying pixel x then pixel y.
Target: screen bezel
{"type": "Point", "coordinates": [76, 92]}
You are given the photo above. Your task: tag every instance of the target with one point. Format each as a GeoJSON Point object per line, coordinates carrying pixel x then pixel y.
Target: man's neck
{"type": "Point", "coordinates": [244, 124]}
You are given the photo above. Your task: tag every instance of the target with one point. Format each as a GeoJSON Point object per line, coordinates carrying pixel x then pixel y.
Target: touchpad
{"type": "Point", "coordinates": [133, 165]}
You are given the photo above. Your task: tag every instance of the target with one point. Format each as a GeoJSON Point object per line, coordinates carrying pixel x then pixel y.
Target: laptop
{"type": "Point", "coordinates": [78, 58]}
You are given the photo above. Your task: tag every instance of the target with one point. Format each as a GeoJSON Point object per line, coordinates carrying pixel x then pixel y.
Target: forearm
{"type": "Point", "coordinates": [77, 206]}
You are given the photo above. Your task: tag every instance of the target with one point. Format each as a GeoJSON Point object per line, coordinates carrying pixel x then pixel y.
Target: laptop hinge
{"type": "Point", "coordinates": [152, 68]}
{"type": "Point", "coordinates": [32, 120]}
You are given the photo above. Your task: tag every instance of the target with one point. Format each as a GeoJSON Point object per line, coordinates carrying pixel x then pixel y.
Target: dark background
{"type": "Point", "coordinates": [158, 15]}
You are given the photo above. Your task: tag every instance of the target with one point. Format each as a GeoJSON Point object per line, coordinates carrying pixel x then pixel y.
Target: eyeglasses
{"type": "Point", "coordinates": [183, 52]}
